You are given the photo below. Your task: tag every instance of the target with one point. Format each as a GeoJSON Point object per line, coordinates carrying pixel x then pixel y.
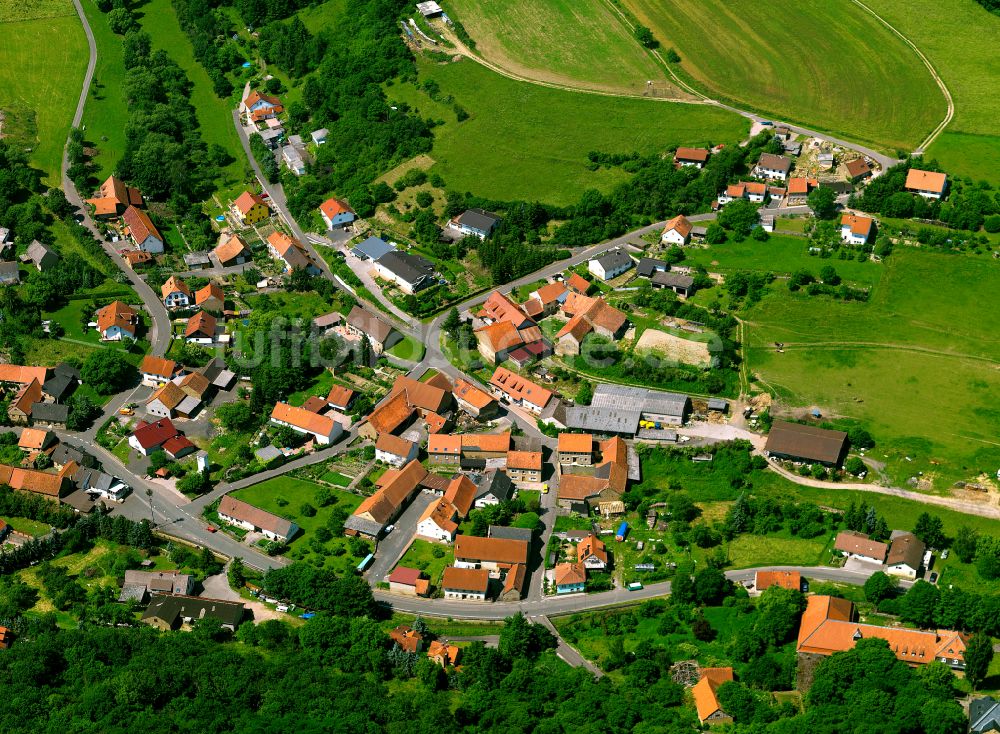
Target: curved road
{"type": "Point", "coordinates": [160, 329]}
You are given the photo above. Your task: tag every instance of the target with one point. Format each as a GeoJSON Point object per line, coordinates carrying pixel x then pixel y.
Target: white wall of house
{"type": "Point", "coordinates": [116, 334]}
{"type": "Point", "coordinates": [321, 438]}
{"type": "Point", "coordinates": [673, 237]}
{"type": "Point", "coordinates": [846, 235]}
{"type": "Point", "coordinates": [902, 570]}
{"type": "Point", "coordinates": [134, 443]}
{"type": "Point", "coordinates": [158, 409]}
{"type": "Point", "coordinates": [395, 459]}
{"type": "Point", "coordinates": [176, 300]}
{"type": "Point", "coordinates": [467, 595]}
{"type": "Point", "coordinates": [570, 588]}
{"type": "Point", "coordinates": [430, 529]}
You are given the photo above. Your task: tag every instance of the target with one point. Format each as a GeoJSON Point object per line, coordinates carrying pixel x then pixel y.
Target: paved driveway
{"type": "Point", "coordinates": [391, 548]}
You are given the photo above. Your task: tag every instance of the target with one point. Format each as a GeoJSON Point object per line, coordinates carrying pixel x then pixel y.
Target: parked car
{"type": "Point", "coordinates": [934, 577]}
{"type": "Point", "coordinates": [211, 528]}
{"type": "Point", "coordinates": [944, 553]}
{"type": "Point", "coordinates": [389, 529]}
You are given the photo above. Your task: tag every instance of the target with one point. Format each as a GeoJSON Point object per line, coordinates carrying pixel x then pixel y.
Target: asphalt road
{"type": "Point", "coordinates": [393, 545]}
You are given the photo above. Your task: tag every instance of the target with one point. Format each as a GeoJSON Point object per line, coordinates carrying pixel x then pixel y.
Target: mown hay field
{"type": "Point", "coordinates": [825, 63]}
{"type": "Point", "coordinates": [579, 43]}
{"type": "Point", "coordinates": [961, 40]}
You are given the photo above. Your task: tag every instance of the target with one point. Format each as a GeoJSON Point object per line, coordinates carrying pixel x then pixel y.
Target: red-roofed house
{"type": "Point", "coordinates": [210, 298]}
{"type": "Point", "coordinates": [677, 231]}
{"type": "Point", "coordinates": [410, 581]}
{"type": "Point", "coordinates": [141, 231]}
{"type": "Point", "coordinates": [696, 157]}
{"type": "Point", "coordinates": [336, 213]}
{"type": "Point", "coordinates": [323, 428]}
{"type": "Point", "coordinates": [150, 437]}
{"type": "Point", "coordinates": [856, 229]}
{"type": "Point", "coordinates": [201, 329]}
{"type": "Point", "coordinates": [518, 391]}
{"type": "Point", "coordinates": [928, 184]}
{"type": "Point", "coordinates": [250, 209]}
{"type": "Point", "coordinates": [117, 321]}
{"type": "Point", "coordinates": [175, 293]}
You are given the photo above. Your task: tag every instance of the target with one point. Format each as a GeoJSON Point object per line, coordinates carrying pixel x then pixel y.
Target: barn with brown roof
{"type": "Point", "coordinates": [810, 444]}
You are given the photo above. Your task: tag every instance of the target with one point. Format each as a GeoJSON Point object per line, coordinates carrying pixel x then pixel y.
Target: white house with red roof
{"type": "Point", "coordinates": [856, 229]}
{"type": "Point", "coordinates": [150, 437]}
{"type": "Point", "coordinates": [928, 184]}
{"type": "Point", "coordinates": [336, 213]}
{"type": "Point", "coordinates": [677, 231]}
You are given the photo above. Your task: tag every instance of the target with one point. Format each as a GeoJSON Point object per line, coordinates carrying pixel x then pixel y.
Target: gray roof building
{"type": "Point", "coordinates": [372, 249]}
{"type": "Point", "coordinates": [363, 525]}
{"type": "Point", "coordinates": [55, 413]}
{"type": "Point", "coordinates": [9, 273]}
{"type": "Point", "coordinates": [479, 221]}
{"type": "Point", "coordinates": [319, 136]}
{"type": "Point", "coordinates": [168, 612]}
{"type": "Point", "coordinates": [615, 260]}
{"type": "Point", "coordinates": [41, 255]}
{"type": "Point", "coordinates": [675, 281]}
{"type": "Point", "coordinates": [197, 260]}
{"type": "Point", "coordinates": [806, 443]}
{"type": "Point", "coordinates": [619, 408]}
{"type": "Point", "coordinates": [62, 454]}
{"type": "Point", "coordinates": [718, 404]}
{"type": "Point", "coordinates": [413, 269]}
{"type": "Point", "coordinates": [984, 715]}
{"type": "Point", "coordinates": [267, 454]}
{"type": "Point", "coordinates": [499, 531]}
{"type": "Point", "coordinates": [218, 374]}
{"type": "Point", "coordinates": [648, 265]}
{"type": "Point", "coordinates": [494, 483]}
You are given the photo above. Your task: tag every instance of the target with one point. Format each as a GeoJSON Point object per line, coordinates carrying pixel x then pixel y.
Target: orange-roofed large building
{"type": "Point", "coordinates": [677, 231]}
{"type": "Point", "coordinates": [49, 485]}
{"type": "Point", "coordinates": [210, 297]}
{"type": "Point", "coordinates": [706, 700]}
{"type": "Point", "coordinates": [491, 554]}
{"type": "Point", "coordinates": [16, 374]}
{"type": "Point", "coordinates": [232, 250]}
{"type": "Point", "coordinates": [575, 449]}
{"type": "Point", "coordinates": [114, 197]}
{"type": "Point", "coordinates": [499, 308]}
{"type": "Point", "coordinates": [856, 229]}
{"type": "Point", "coordinates": [249, 208]}
{"type": "Point", "coordinates": [336, 213]}
{"type": "Point", "coordinates": [764, 580]}
{"type": "Point", "coordinates": [375, 513]}
{"type": "Point", "coordinates": [290, 251]}
{"type": "Point", "coordinates": [323, 428]}
{"type": "Point", "coordinates": [519, 391]}
{"type": "Point", "coordinates": [474, 401]}
{"type": "Point", "coordinates": [695, 157]}
{"type": "Point", "coordinates": [928, 184]}
{"type": "Point", "coordinates": [829, 625]}
{"type": "Point", "coordinates": [117, 321]}
{"type": "Point", "coordinates": [201, 329]}
{"type": "Point", "coordinates": [606, 481]}
{"type": "Point", "coordinates": [141, 230]}
{"type": "Point", "coordinates": [592, 553]}
{"type": "Point", "coordinates": [467, 584]}
{"type": "Point", "coordinates": [257, 106]}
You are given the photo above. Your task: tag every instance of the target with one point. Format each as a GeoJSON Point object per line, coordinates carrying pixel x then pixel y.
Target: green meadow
{"type": "Point", "coordinates": [524, 141]}
{"type": "Point", "coordinates": [825, 63]}
{"type": "Point", "coordinates": [917, 364]}
{"type": "Point", "coordinates": [960, 39]}
{"type": "Point", "coordinates": [579, 43]}
{"type": "Point", "coordinates": [43, 58]}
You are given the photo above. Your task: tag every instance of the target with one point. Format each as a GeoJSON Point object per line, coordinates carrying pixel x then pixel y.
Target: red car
{"type": "Point", "coordinates": [210, 528]}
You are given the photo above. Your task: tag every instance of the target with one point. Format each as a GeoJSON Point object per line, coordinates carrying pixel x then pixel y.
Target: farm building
{"type": "Point", "coordinates": [677, 282]}
{"type": "Point", "coordinates": [620, 408]}
{"type": "Point", "coordinates": [806, 443]}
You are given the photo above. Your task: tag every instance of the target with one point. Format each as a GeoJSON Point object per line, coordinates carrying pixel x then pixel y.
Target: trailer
{"type": "Point", "coordinates": [635, 586]}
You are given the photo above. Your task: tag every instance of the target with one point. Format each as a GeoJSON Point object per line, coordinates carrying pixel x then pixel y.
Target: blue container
{"type": "Point", "coordinates": [622, 532]}
{"type": "Point", "coordinates": [247, 64]}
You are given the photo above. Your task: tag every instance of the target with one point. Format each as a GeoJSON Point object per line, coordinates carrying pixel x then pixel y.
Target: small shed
{"type": "Point", "coordinates": [718, 405]}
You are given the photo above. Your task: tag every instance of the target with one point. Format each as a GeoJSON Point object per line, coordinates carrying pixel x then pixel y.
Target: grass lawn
{"type": "Point", "coordinates": [214, 115]}
{"type": "Point", "coordinates": [782, 255]}
{"type": "Point", "coordinates": [445, 627]}
{"type": "Point", "coordinates": [531, 142]}
{"type": "Point", "coordinates": [850, 75]}
{"type": "Point", "coordinates": [970, 145]}
{"type": "Point", "coordinates": [421, 554]}
{"type": "Point", "coordinates": [106, 113]}
{"type": "Point", "coordinates": [321, 387]}
{"type": "Point", "coordinates": [580, 43]}
{"type": "Point", "coordinates": [28, 527]}
{"type": "Point", "coordinates": [42, 64]}
{"type": "Point", "coordinates": [924, 338]}
{"type": "Point", "coordinates": [285, 496]}
{"type": "Point", "coordinates": [408, 348]}
{"type": "Point", "coordinates": [336, 478]}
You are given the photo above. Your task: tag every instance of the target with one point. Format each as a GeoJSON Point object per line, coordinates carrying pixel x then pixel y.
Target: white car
{"type": "Point", "coordinates": [389, 529]}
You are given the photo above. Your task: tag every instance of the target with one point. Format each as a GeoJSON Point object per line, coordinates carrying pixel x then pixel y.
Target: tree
{"type": "Point", "coordinates": [828, 275]}
{"type": "Point", "coordinates": [519, 638]}
{"type": "Point", "coordinates": [964, 545]}
{"type": "Point", "coordinates": [739, 217]}
{"type": "Point", "coordinates": [823, 202]}
{"type": "Point", "coordinates": [585, 394]}
{"type": "Point", "coordinates": [879, 586]}
{"type": "Point", "coordinates": [711, 586]}
{"type": "Point", "coordinates": [682, 589]}
{"type": "Point", "coordinates": [194, 483]}
{"type": "Point", "coordinates": [106, 371]}
{"type": "Point", "coordinates": [978, 656]}
{"type": "Point", "coordinates": [451, 323]}
{"type": "Point", "coordinates": [645, 37]}
{"type": "Point", "coordinates": [672, 56]}
{"type": "Point", "coordinates": [715, 234]}
{"type": "Point", "coordinates": [854, 465]}
{"type": "Point", "coordinates": [121, 21]}
{"type": "Point", "coordinates": [82, 412]}
{"type": "Point", "coordinates": [930, 529]}
{"type": "Point", "coordinates": [237, 573]}
{"type": "Point", "coordinates": [918, 604]}
{"type": "Point", "coordinates": [237, 417]}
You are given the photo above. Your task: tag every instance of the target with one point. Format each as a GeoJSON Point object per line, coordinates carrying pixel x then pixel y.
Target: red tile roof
{"type": "Point", "coordinates": [150, 435]}
{"type": "Point", "coordinates": [491, 550]}
{"type": "Point", "coordinates": [158, 366]}
{"type": "Point", "coordinates": [519, 388]}
{"type": "Point", "coordinates": [333, 207]}
{"type": "Point", "coordinates": [466, 579]}
{"type": "Point", "coordinates": [201, 324]}
{"type": "Point", "coordinates": [245, 202]}
{"type": "Point", "coordinates": [699, 155]}
{"type": "Point", "coordinates": [139, 225]}
{"type": "Point", "coordinates": [917, 180]}
{"type": "Point", "coordinates": [681, 224]}
{"type": "Point", "coordinates": [116, 314]}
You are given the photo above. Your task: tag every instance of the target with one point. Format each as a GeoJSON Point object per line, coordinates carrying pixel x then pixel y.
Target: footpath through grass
{"type": "Point", "coordinates": [524, 141]}
{"type": "Point", "coordinates": [825, 63]}
{"type": "Point", "coordinates": [960, 38]}
{"type": "Point", "coordinates": [43, 58]}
